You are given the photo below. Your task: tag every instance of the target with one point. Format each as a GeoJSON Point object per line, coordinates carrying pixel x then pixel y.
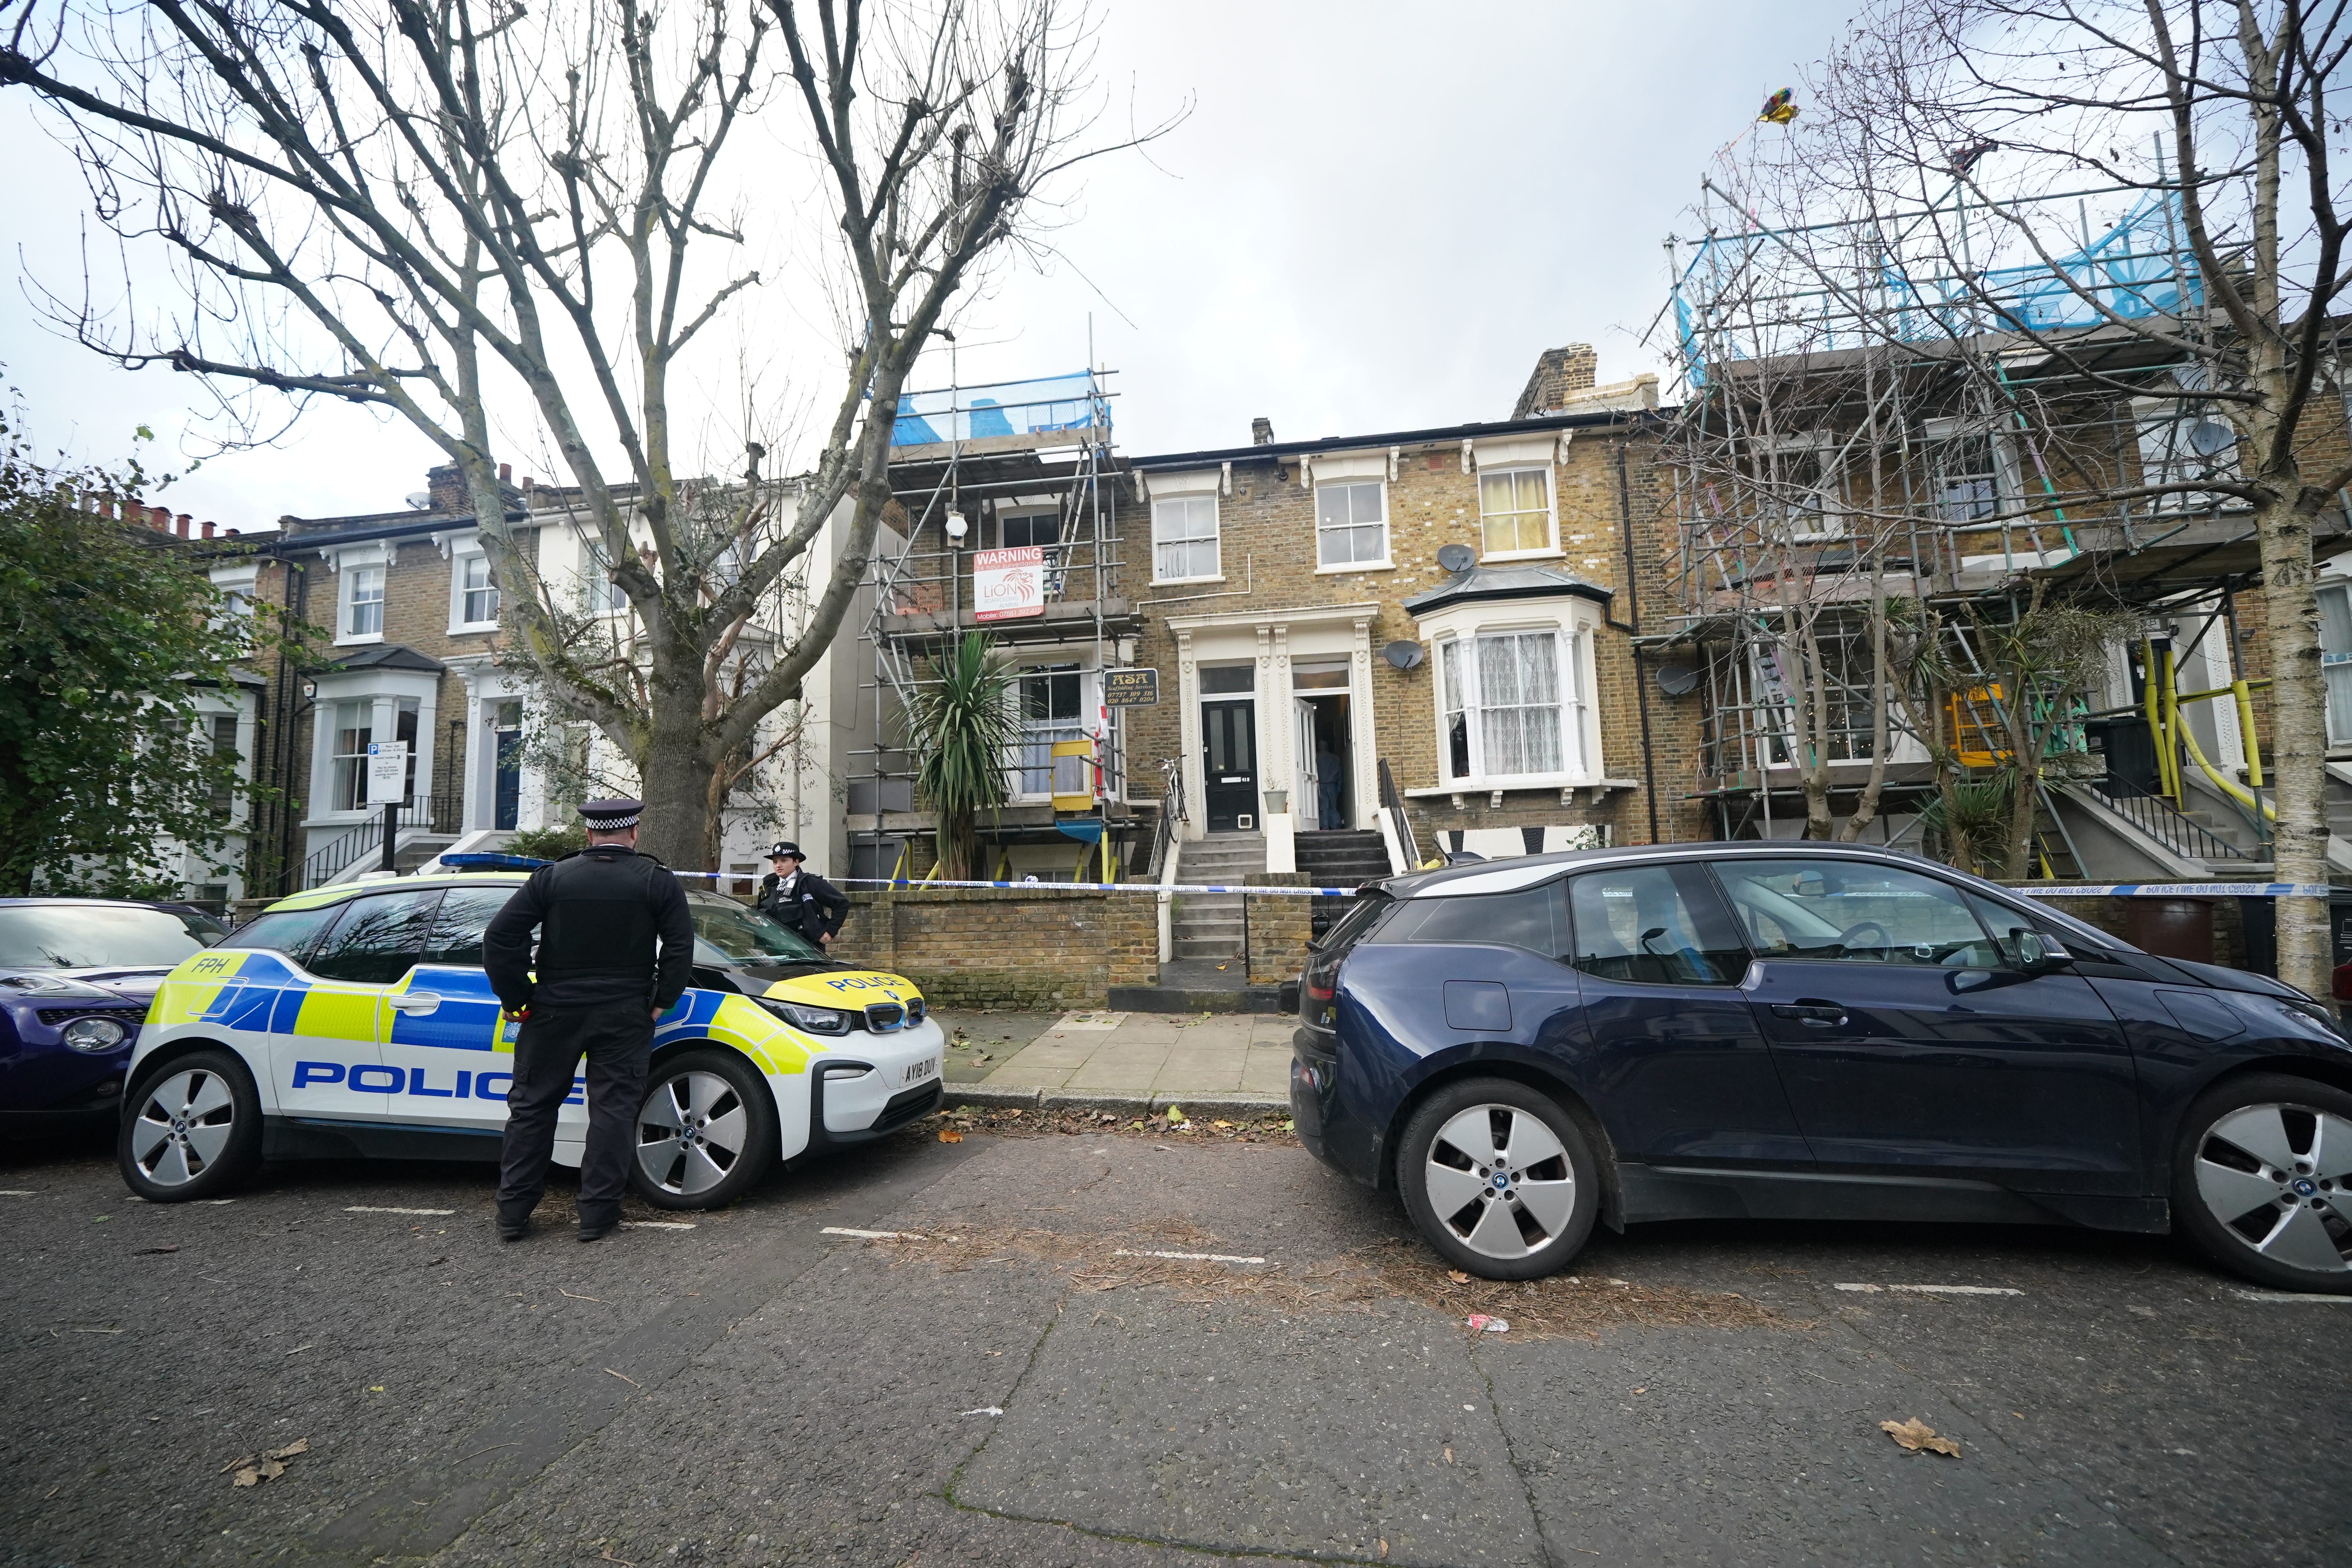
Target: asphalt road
{"type": "Point", "coordinates": [1011, 1389]}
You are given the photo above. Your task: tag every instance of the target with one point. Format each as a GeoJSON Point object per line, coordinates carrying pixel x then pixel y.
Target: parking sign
{"type": "Point", "coordinates": [387, 773]}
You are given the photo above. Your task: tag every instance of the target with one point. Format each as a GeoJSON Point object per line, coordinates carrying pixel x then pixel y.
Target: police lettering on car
{"type": "Point", "coordinates": [597, 992]}
{"type": "Point", "coordinates": [801, 900]}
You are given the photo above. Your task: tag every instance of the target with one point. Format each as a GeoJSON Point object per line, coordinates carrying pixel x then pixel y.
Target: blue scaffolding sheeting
{"type": "Point", "coordinates": [2138, 268]}
{"type": "Point", "coordinates": [1044, 406]}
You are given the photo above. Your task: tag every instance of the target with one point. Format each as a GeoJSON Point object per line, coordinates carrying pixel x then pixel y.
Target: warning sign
{"type": "Point", "coordinates": [1007, 585]}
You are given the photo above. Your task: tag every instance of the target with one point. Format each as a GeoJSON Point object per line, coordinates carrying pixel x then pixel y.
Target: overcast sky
{"type": "Point", "coordinates": [1374, 218]}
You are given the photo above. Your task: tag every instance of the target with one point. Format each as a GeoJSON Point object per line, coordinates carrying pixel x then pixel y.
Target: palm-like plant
{"type": "Point", "coordinates": [965, 728]}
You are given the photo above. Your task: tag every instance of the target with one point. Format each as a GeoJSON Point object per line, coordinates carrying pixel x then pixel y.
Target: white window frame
{"type": "Point", "coordinates": [461, 559]}
{"type": "Point", "coordinates": [2335, 663]}
{"type": "Point", "coordinates": [1550, 545]}
{"type": "Point", "coordinates": [1082, 727]}
{"type": "Point", "coordinates": [1828, 506]}
{"type": "Point", "coordinates": [241, 588]}
{"type": "Point", "coordinates": [1214, 538]}
{"type": "Point", "coordinates": [2008, 472]}
{"type": "Point", "coordinates": [349, 570]}
{"type": "Point", "coordinates": [1571, 662]}
{"type": "Point", "coordinates": [1384, 562]}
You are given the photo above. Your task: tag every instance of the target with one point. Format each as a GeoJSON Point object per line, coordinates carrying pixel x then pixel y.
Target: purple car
{"type": "Point", "coordinates": [76, 977]}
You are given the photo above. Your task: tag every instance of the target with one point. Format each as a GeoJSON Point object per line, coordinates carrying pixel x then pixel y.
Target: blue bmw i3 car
{"type": "Point", "coordinates": [1524, 1049]}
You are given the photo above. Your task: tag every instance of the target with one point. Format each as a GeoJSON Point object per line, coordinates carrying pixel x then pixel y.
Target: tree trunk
{"type": "Point", "coordinates": [1865, 810]}
{"type": "Point", "coordinates": [674, 767]}
{"type": "Point", "coordinates": [2297, 760]}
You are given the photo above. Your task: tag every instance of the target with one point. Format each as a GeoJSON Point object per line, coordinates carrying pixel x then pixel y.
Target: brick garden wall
{"type": "Point", "coordinates": [981, 947]}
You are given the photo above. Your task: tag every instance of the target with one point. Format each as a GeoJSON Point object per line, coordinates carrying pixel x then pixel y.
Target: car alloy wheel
{"type": "Point", "coordinates": [189, 1130]}
{"type": "Point", "coordinates": [706, 1131]}
{"type": "Point", "coordinates": [2266, 1175]}
{"type": "Point", "coordinates": [1500, 1182]}
{"type": "Point", "coordinates": [1498, 1178]}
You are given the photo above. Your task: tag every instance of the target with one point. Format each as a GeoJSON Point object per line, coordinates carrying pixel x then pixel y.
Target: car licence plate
{"type": "Point", "coordinates": [918, 1071]}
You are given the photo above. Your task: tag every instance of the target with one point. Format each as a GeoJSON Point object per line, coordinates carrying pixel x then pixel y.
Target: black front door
{"type": "Point", "coordinates": [1229, 765]}
{"type": "Point", "coordinates": [1911, 1043]}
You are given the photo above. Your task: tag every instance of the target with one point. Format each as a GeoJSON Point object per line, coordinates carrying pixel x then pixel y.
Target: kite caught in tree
{"type": "Point", "coordinates": [1780, 107]}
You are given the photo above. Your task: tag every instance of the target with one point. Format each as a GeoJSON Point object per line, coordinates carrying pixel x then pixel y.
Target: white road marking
{"type": "Point", "coordinates": [363, 1208]}
{"type": "Point", "coordinates": [1192, 1257]}
{"type": "Point", "coordinates": [873, 1236]}
{"type": "Point", "coordinates": [2290, 1296]}
{"type": "Point", "coordinates": [657, 1225]}
{"type": "Point", "coordinates": [1939, 1289]}
{"type": "Point", "coordinates": [19, 1192]}
{"type": "Point", "coordinates": [985, 1410]}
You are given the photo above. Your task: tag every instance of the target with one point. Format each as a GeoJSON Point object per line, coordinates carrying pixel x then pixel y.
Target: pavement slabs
{"type": "Point", "coordinates": [1141, 1057]}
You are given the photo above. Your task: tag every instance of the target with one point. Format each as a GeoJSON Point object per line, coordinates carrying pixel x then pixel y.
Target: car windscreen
{"type": "Point", "coordinates": [727, 933]}
{"type": "Point", "coordinates": [91, 936]}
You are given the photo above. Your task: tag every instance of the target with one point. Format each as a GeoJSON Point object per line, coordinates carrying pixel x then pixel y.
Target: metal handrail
{"type": "Point", "coordinates": [1171, 812]}
{"type": "Point", "coordinates": [437, 813]}
{"type": "Point", "coordinates": [1393, 803]}
{"type": "Point", "coordinates": [2160, 820]}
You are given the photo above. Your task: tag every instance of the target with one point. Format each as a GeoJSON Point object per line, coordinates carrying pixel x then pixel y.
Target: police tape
{"type": "Point", "coordinates": [1109, 888]}
{"type": "Point", "coordinates": [2180, 890]}
{"type": "Point", "coordinates": [2065, 890]}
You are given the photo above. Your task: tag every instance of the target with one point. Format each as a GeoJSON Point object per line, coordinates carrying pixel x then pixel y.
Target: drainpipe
{"type": "Point", "coordinates": [1633, 619]}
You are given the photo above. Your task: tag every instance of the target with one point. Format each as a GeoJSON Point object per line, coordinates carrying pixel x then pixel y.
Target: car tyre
{"type": "Point", "coordinates": [706, 1132]}
{"type": "Point", "coordinates": [1498, 1179]}
{"type": "Point", "coordinates": [2262, 1181]}
{"type": "Point", "coordinates": [191, 1129]}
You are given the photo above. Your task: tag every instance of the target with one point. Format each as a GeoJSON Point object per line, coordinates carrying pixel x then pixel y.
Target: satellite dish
{"type": "Point", "coordinates": [1677, 679]}
{"type": "Point", "coordinates": [1456, 558]}
{"type": "Point", "coordinates": [2210, 437]}
{"type": "Point", "coordinates": [1402, 654]}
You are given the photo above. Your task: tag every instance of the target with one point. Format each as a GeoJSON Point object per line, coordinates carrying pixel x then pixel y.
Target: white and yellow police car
{"type": "Point", "coordinates": [357, 1022]}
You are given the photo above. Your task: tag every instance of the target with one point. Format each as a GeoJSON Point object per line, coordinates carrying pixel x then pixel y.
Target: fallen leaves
{"type": "Point", "coordinates": [950, 1135]}
{"type": "Point", "coordinates": [1916, 1434]}
{"type": "Point", "coordinates": [1457, 1277]}
{"type": "Point", "coordinates": [252, 1469]}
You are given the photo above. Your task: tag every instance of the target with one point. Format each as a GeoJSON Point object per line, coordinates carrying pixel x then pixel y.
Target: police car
{"type": "Point", "coordinates": [357, 1022]}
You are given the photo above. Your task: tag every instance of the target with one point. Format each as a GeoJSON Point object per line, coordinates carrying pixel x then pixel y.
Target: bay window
{"type": "Point", "coordinates": [1512, 706]}
{"type": "Point", "coordinates": [2335, 657]}
{"type": "Point", "coordinates": [354, 728]}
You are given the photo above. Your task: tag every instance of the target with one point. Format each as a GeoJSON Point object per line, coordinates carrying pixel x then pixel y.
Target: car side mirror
{"type": "Point", "coordinates": [2036, 953]}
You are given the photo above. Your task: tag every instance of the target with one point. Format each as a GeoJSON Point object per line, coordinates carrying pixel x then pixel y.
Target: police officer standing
{"type": "Point", "coordinates": [801, 900]}
{"type": "Point", "coordinates": [599, 913]}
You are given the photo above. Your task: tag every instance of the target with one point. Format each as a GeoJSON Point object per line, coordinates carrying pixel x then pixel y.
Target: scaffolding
{"type": "Point", "coordinates": [1010, 467]}
{"type": "Point", "coordinates": [1921, 414]}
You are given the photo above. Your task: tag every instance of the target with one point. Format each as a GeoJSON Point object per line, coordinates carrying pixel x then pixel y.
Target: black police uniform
{"type": "Point", "coordinates": [599, 913]}
{"type": "Point", "coordinates": [810, 905]}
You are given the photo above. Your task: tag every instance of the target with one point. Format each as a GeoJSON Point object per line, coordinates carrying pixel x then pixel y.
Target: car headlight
{"type": "Point", "coordinates": [815, 1020]}
{"type": "Point", "coordinates": [915, 1010]}
{"type": "Point", "coordinates": [94, 1034]}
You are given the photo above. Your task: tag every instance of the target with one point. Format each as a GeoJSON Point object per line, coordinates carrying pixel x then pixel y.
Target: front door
{"type": "Point", "coordinates": [1229, 765]}
{"type": "Point", "coordinates": [506, 790]}
{"type": "Point", "coordinates": [1310, 784]}
{"type": "Point", "coordinates": [1911, 1043]}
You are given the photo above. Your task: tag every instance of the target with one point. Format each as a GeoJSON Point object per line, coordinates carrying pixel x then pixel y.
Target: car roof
{"type": "Point", "coordinates": [317, 898]}
{"type": "Point", "coordinates": [78, 898]}
{"type": "Point", "coordinates": [1528, 870]}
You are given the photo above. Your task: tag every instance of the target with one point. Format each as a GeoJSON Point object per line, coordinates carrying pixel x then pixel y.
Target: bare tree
{"type": "Point", "coordinates": [433, 206]}
{"type": "Point", "coordinates": [2215, 115]}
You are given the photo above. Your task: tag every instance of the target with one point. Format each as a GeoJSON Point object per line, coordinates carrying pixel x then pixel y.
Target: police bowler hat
{"type": "Point", "coordinates": [779, 850]}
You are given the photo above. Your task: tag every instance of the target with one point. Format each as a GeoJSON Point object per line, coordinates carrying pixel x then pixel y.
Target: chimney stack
{"type": "Point", "coordinates": [1573, 367]}
{"type": "Point", "coordinates": [208, 531]}
{"type": "Point", "coordinates": [1261, 431]}
{"type": "Point", "coordinates": [505, 471]}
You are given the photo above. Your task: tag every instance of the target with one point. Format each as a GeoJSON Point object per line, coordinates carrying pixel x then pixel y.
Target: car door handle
{"type": "Point", "coordinates": [419, 1002]}
{"type": "Point", "coordinates": [1821, 1015]}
